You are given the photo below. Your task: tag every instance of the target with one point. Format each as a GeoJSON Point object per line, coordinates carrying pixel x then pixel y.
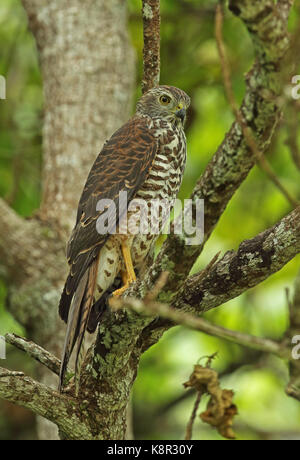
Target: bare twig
{"type": "Point", "coordinates": [292, 140]}
{"type": "Point", "coordinates": [7, 373]}
{"type": "Point", "coordinates": [189, 428]}
{"type": "Point", "coordinates": [35, 351]}
{"type": "Point", "coordinates": [288, 302]}
{"type": "Point", "coordinates": [260, 158]}
{"type": "Point", "coordinates": [191, 321]}
{"type": "Point", "coordinates": [293, 387]}
{"type": "Point", "coordinates": [151, 52]}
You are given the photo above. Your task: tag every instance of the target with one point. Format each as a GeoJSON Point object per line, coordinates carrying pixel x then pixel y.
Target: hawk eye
{"type": "Point", "coordinates": [164, 99]}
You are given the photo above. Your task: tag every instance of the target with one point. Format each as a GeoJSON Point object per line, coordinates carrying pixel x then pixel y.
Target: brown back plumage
{"type": "Point", "coordinates": [122, 165]}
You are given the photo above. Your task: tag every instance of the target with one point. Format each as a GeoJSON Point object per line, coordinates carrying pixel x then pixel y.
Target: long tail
{"type": "Point", "coordinates": [77, 320]}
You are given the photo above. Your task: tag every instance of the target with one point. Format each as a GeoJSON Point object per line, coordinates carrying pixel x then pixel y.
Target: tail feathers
{"type": "Point", "coordinates": [74, 318]}
{"type": "Point", "coordinates": [85, 313]}
{"type": "Point", "coordinates": [81, 351]}
{"type": "Point", "coordinates": [77, 320]}
{"type": "Point", "coordinates": [100, 306]}
{"type": "Point", "coordinates": [64, 304]}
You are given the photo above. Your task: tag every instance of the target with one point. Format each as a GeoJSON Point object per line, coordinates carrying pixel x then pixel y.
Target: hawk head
{"type": "Point", "coordinates": [165, 102]}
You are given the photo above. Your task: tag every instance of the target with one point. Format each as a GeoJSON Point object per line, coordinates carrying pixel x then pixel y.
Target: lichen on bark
{"type": "Point", "coordinates": [72, 138]}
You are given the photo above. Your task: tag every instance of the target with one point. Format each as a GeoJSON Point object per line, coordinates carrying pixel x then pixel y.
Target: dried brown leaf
{"type": "Point", "coordinates": [220, 409]}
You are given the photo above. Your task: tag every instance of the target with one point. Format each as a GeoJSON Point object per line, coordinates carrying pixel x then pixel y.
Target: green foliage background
{"type": "Point", "coordinates": [190, 61]}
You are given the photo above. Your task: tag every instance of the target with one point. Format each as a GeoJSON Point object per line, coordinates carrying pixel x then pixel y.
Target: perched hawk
{"type": "Point", "coordinates": [146, 159]}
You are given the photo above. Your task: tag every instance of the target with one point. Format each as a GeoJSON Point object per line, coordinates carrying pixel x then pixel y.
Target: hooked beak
{"type": "Point", "coordinates": [181, 114]}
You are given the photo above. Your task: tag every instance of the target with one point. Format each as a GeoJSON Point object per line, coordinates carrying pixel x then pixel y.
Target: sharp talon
{"type": "Point", "coordinates": [128, 275]}
{"type": "Point", "coordinates": [121, 291]}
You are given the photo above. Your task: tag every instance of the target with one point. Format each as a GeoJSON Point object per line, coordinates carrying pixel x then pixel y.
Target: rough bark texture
{"type": "Point", "coordinates": [252, 263]}
{"type": "Point", "coordinates": [233, 161]}
{"type": "Point", "coordinates": [88, 73]}
{"type": "Point", "coordinates": [73, 130]}
{"type": "Point", "coordinates": [151, 51]}
{"type": "Point", "coordinates": [235, 273]}
{"type": "Point", "coordinates": [87, 67]}
{"type": "Point", "coordinates": [63, 411]}
{"type": "Point", "coordinates": [35, 351]}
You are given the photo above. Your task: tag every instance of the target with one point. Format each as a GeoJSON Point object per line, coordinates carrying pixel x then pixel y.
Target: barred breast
{"type": "Point", "coordinates": [163, 183]}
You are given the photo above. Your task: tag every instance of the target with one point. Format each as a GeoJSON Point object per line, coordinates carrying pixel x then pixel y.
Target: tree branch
{"type": "Point", "coordinates": [59, 409]}
{"type": "Point", "coordinates": [233, 161]}
{"type": "Point", "coordinates": [191, 321]}
{"type": "Point", "coordinates": [235, 273]}
{"type": "Point", "coordinates": [16, 239]}
{"type": "Point", "coordinates": [9, 221]}
{"type": "Point", "coordinates": [252, 263]}
{"type": "Point", "coordinates": [259, 157]}
{"type": "Point", "coordinates": [35, 351]}
{"type": "Point", "coordinates": [151, 51]}
{"type": "Point", "coordinates": [85, 56]}
{"type": "Point", "coordinates": [284, 7]}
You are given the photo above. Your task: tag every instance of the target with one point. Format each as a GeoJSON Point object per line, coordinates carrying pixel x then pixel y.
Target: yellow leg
{"type": "Point", "coordinates": [128, 276]}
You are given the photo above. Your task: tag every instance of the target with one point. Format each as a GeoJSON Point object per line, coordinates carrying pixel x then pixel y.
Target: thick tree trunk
{"type": "Point", "coordinates": [88, 73]}
{"type": "Point", "coordinates": [94, 42]}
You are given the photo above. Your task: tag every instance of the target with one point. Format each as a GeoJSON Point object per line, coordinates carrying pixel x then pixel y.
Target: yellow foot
{"type": "Point", "coordinates": [128, 275]}
{"type": "Point", "coordinates": [121, 291]}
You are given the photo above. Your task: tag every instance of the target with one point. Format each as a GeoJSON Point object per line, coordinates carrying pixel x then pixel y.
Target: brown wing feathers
{"type": "Point", "coordinates": [122, 165]}
{"type": "Point", "coordinates": [85, 312]}
{"type": "Point", "coordinates": [74, 318]}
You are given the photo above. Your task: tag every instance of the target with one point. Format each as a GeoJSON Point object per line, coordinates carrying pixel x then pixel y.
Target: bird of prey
{"type": "Point", "coordinates": [146, 159]}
